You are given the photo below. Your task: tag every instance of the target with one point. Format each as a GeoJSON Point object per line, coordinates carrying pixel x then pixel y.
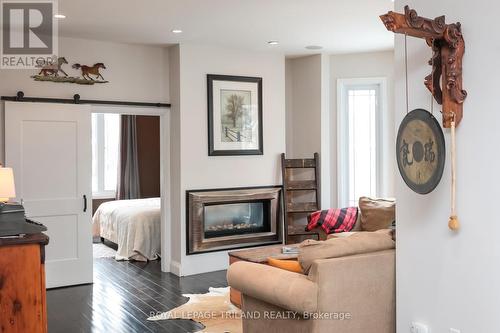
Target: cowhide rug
{"type": "Point", "coordinates": [213, 310]}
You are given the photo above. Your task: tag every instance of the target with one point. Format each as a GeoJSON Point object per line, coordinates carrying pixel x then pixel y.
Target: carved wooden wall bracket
{"type": "Point", "coordinates": [448, 48]}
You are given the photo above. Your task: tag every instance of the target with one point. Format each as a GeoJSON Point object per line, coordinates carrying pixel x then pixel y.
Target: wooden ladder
{"type": "Point", "coordinates": [295, 233]}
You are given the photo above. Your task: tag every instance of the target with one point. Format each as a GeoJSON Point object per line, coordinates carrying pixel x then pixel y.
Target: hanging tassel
{"type": "Point", "coordinates": [453, 223]}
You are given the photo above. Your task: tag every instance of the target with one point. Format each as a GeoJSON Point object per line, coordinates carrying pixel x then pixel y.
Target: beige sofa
{"type": "Point", "coordinates": [342, 294]}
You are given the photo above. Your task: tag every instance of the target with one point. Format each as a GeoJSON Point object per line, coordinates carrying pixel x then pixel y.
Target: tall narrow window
{"type": "Point", "coordinates": [105, 153]}
{"type": "Point", "coordinates": [359, 140]}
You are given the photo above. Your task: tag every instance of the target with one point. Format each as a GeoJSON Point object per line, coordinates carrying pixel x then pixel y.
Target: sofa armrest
{"type": "Point", "coordinates": [363, 285]}
{"type": "Point", "coordinates": [288, 290]}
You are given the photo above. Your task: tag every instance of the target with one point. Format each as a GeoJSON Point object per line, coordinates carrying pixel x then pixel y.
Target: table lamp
{"type": "Point", "coordinates": [7, 187]}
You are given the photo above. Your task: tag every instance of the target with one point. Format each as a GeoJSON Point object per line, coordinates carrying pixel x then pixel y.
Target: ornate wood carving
{"type": "Point", "coordinates": [448, 48]}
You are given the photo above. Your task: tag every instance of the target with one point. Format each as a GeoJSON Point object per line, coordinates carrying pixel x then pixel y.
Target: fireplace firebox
{"type": "Point", "coordinates": [222, 219]}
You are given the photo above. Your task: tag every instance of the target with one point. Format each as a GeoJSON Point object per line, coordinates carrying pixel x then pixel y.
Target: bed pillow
{"type": "Point", "coordinates": [376, 214]}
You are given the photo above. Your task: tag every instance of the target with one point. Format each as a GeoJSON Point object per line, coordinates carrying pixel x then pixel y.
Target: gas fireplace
{"type": "Point", "coordinates": [222, 219]}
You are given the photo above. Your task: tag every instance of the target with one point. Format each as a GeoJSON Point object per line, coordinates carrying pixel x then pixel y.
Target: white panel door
{"type": "Point", "coordinates": [49, 147]}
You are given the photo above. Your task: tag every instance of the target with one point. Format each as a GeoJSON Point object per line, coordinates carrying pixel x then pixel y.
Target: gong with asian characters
{"type": "Point", "coordinates": [420, 151]}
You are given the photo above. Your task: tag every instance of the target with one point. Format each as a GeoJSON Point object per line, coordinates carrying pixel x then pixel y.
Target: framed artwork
{"type": "Point", "coordinates": [234, 115]}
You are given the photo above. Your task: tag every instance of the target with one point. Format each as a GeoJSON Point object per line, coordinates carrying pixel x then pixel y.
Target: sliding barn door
{"type": "Point", "coordinates": [49, 147]}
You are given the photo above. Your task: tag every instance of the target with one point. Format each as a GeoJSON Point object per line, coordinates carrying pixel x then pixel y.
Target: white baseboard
{"type": "Point", "coordinates": [165, 266]}
{"type": "Point", "coordinates": [175, 268]}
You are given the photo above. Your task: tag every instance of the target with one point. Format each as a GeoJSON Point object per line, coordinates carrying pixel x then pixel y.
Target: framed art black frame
{"type": "Point", "coordinates": [210, 91]}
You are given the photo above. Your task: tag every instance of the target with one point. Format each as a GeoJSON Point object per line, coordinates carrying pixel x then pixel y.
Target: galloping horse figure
{"type": "Point", "coordinates": [54, 69]}
{"type": "Point", "coordinates": [87, 70]}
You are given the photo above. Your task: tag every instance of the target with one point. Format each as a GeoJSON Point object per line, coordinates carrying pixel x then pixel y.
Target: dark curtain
{"type": "Point", "coordinates": [128, 185]}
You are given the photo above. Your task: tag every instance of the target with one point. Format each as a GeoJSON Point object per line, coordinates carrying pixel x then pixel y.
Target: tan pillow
{"type": "Point", "coordinates": [361, 242]}
{"type": "Point", "coordinates": [357, 225]}
{"type": "Point", "coordinates": [376, 213]}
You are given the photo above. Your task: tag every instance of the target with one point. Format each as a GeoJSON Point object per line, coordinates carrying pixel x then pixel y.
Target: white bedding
{"type": "Point", "coordinates": [134, 225]}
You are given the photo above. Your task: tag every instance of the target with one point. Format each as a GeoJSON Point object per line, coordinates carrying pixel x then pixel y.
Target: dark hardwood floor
{"type": "Point", "coordinates": [123, 296]}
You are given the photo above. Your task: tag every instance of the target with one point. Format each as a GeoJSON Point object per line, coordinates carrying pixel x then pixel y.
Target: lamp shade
{"type": "Point", "coordinates": [7, 187]}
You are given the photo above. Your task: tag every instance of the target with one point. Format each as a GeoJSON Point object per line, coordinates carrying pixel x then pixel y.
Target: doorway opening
{"type": "Point", "coordinates": [128, 190]}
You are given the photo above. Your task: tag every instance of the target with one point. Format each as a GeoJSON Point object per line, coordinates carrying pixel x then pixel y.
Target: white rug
{"type": "Point", "coordinates": [214, 310]}
{"type": "Point", "coordinates": [102, 251]}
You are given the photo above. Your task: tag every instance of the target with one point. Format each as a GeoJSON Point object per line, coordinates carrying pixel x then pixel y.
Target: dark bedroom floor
{"type": "Point", "coordinates": [123, 296]}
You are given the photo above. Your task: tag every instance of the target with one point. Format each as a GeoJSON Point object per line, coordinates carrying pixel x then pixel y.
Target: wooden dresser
{"type": "Point", "coordinates": [22, 284]}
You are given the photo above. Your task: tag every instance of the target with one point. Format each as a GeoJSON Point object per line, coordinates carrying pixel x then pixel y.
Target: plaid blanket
{"type": "Point", "coordinates": [333, 220]}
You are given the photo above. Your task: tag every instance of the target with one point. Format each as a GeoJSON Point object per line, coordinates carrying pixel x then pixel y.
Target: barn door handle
{"type": "Point", "coordinates": [84, 203]}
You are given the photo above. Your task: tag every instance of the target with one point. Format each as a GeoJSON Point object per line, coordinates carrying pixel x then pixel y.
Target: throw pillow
{"type": "Point", "coordinates": [333, 220]}
{"type": "Point", "coordinates": [291, 265]}
{"type": "Point", "coordinates": [376, 214]}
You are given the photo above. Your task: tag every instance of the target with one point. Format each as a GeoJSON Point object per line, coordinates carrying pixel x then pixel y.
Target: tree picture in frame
{"type": "Point", "coordinates": [234, 115]}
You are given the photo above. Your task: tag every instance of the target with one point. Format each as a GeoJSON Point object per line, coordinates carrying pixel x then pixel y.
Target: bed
{"type": "Point", "coordinates": [134, 225]}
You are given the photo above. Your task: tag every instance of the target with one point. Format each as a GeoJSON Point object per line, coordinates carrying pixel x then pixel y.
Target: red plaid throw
{"type": "Point", "coordinates": [333, 220]}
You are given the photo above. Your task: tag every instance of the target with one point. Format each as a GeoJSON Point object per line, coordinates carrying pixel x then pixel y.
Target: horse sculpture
{"type": "Point", "coordinates": [87, 70]}
{"type": "Point", "coordinates": [54, 69]}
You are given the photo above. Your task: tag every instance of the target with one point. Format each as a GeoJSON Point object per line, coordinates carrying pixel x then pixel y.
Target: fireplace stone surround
{"type": "Point", "coordinates": [223, 219]}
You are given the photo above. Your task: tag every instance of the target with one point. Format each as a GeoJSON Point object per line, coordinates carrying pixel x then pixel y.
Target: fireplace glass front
{"type": "Point", "coordinates": [228, 219]}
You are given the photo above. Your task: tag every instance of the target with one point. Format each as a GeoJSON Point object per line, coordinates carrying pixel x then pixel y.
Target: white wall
{"type": "Point", "coordinates": [136, 73]}
{"type": "Point", "coordinates": [173, 245]}
{"type": "Point", "coordinates": [289, 106]}
{"type": "Point", "coordinates": [304, 109]}
{"type": "Point", "coordinates": [448, 279]}
{"type": "Point", "coordinates": [308, 113]}
{"type": "Point", "coordinates": [197, 170]}
{"type": "Point", "coordinates": [326, 134]}
{"type": "Point", "coordinates": [364, 65]}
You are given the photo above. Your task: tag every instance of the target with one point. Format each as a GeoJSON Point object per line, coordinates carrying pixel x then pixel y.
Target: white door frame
{"type": "Point", "coordinates": [164, 114]}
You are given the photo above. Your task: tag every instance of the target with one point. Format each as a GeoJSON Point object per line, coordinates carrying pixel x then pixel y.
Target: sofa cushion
{"type": "Point", "coordinates": [391, 232]}
{"type": "Point", "coordinates": [342, 234]}
{"type": "Point", "coordinates": [357, 225]}
{"type": "Point", "coordinates": [376, 213]}
{"type": "Point", "coordinates": [358, 243]}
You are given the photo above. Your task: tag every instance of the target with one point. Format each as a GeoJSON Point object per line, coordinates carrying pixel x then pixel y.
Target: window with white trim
{"type": "Point", "coordinates": [360, 149]}
{"type": "Point", "coordinates": [105, 154]}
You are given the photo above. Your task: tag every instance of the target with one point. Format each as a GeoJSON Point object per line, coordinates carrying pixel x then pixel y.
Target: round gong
{"type": "Point", "coordinates": [420, 151]}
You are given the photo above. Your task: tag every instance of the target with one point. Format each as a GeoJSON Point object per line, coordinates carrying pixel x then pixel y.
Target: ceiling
{"type": "Point", "coordinates": [340, 26]}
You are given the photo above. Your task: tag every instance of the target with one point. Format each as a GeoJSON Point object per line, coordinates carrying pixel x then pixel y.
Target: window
{"type": "Point", "coordinates": [105, 153]}
{"type": "Point", "coordinates": [359, 143]}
